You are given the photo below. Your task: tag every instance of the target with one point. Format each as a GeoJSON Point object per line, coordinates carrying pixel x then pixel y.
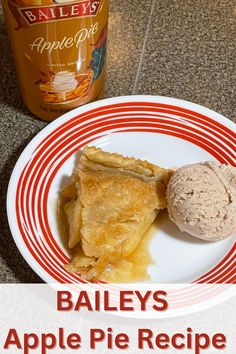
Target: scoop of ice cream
{"type": "Point", "coordinates": [201, 200]}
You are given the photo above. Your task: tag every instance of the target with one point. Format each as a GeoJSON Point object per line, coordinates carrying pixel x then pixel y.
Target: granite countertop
{"type": "Point", "coordinates": [179, 48]}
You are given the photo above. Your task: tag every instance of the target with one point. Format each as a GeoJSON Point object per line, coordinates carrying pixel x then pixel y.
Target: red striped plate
{"type": "Point", "coordinates": [166, 131]}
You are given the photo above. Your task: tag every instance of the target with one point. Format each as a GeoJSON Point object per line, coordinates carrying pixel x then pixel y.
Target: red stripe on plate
{"type": "Point", "coordinates": [152, 106]}
{"type": "Point", "coordinates": [220, 266]}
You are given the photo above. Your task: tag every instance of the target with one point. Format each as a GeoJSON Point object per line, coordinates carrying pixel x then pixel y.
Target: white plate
{"type": "Point", "coordinates": [165, 131]}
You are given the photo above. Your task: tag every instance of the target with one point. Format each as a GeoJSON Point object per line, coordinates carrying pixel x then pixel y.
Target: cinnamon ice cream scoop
{"type": "Point", "coordinates": [201, 200]}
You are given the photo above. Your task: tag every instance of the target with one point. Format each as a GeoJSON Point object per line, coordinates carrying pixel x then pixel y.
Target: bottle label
{"type": "Point", "coordinates": [59, 48]}
{"type": "Point", "coordinates": [39, 14]}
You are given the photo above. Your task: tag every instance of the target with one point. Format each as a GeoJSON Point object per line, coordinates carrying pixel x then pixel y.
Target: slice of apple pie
{"type": "Point", "coordinates": [115, 200]}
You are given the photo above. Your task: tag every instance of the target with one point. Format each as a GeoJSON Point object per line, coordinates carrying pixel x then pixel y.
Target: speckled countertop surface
{"type": "Point", "coordinates": [179, 48]}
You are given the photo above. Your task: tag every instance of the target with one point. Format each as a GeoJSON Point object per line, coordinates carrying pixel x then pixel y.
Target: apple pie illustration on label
{"type": "Point", "coordinates": [60, 51]}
